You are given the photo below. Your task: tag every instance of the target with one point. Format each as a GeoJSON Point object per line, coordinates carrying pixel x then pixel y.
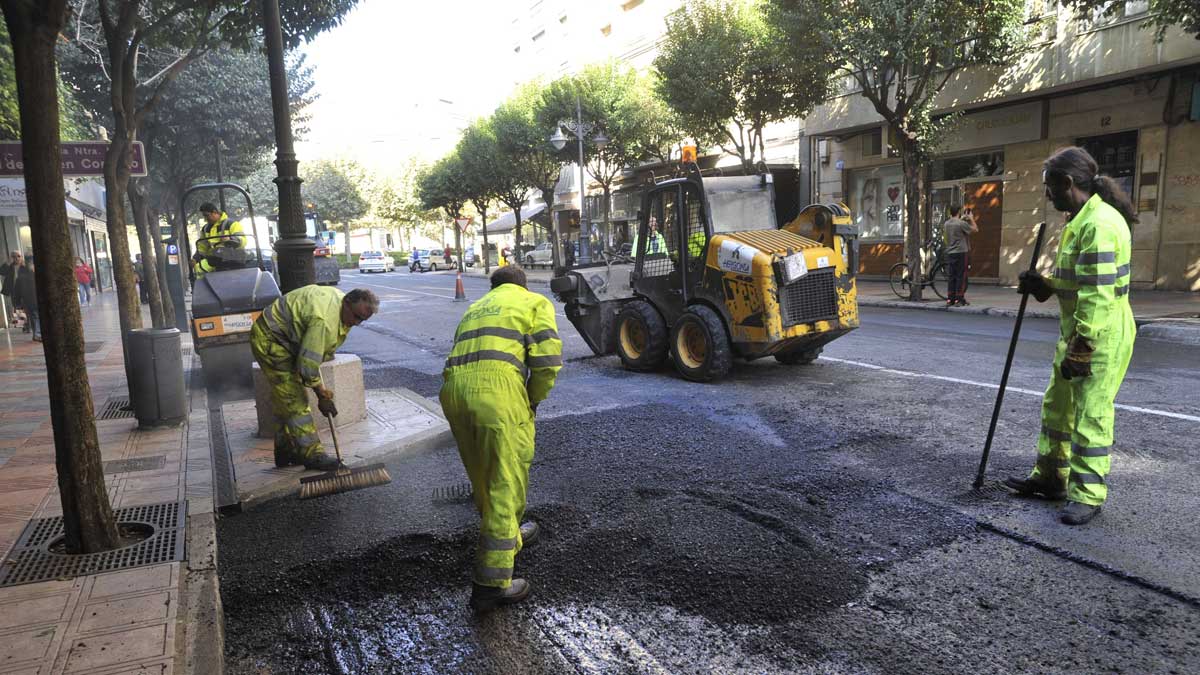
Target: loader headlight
{"type": "Point", "coordinates": [794, 267]}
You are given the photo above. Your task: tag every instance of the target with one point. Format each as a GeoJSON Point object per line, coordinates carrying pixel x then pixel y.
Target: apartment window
{"type": "Point", "coordinates": [562, 19]}
{"type": "Point", "coordinates": [539, 35]}
{"type": "Point", "coordinates": [517, 49]}
{"type": "Point", "coordinates": [1042, 18]}
{"type": "Point", "coordinates": [631, 4]}
{"type": "Point", "coordinates": [872, 143]}
{"type": "Point", "coordinates": [607, 30]}
{"type": "Point", "coordinates": [1113, 12]}
{"type": "Point", "coordinates": [1116, 154]}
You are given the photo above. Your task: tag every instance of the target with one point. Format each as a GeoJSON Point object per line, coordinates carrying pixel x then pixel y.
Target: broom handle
{"type": "Point", "coordinates": [1012, 348]}
{"type": "Point", "coordinates": [333, 431]}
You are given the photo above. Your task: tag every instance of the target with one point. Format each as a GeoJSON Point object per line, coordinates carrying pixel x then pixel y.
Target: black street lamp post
{"type": "Point", "coordinates": [580, 130]}
{"type": "Point", "coordinates": [293, 249]}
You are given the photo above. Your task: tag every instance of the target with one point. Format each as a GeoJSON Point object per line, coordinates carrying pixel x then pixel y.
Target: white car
{"type": "Point", "coordinates": [375, 261]}
{"type": "Point", "coordinates": [542, 253]}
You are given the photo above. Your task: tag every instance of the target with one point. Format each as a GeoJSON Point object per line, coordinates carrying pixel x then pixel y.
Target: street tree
{"type": "Point", "coordinates": [88, 520]}
{"type": "Point", "coordinates": [140, 47]}
{"type": "Point", "coordinates": [394, 199]}
{"type": "Point", "coordinates": [901, 54]}
{"type": "Point", "coordinates": [525, 149]}
{"type": "Point", "coordinates": [659, 132]}
{"type": "Point", "coordinates": [485, 177]}
{"type": "Point", "coordinates": [1160, 15]}
{"type": "Point", "coordinates": [721, 69]}
{"type": "Point", "coordinates": [443, 186]}
{"type": "Point", "coordinates": [608, 96]}
{"type": "Point", "coordinates": [73, 123]}
{"type": "Point", "coordinates": [335, 188]}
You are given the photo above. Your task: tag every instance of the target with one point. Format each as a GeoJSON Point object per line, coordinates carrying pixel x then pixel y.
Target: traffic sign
{"type": "Point", "coordinates": [82, 158]}
{"type": "Point", "coordinates": [463, 224]}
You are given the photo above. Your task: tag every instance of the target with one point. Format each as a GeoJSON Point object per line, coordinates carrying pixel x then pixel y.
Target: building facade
{"type": "Point", "coordinates": [1102, 84]}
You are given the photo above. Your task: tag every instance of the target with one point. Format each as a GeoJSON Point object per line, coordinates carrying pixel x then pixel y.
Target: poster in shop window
{"type": "Point", "coordinates": [878, 202]}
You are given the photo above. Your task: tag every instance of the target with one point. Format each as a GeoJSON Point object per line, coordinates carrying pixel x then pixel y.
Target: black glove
{"type": "Point", "coordinates": [197, 256]}
{"type": "Point", "coordinates": [1034, 284]}
{"type": "Point", "coordinates": [326, 406]}
{"type": "Point", "coordinates": [1078, 361]}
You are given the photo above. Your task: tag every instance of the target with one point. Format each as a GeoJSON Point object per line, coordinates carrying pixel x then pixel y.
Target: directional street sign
{"type": "Point", "coordinates": [84, 158]}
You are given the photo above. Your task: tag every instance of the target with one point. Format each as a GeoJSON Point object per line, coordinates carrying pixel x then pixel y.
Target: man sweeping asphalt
{"type": "Point", "coordinates": [505, 360]}
{"type": "Point", "coordinates": [1091, 282]}
{"type": "Point", "coordinates": [290, 340]}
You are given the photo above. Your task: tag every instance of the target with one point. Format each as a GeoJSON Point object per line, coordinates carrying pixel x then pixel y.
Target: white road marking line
{"type": "Point", "coordinates": [989, 385]}
{"type": "Point", "coordinates": [407, 290]}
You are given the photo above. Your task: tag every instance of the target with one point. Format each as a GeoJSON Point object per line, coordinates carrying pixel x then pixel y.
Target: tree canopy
{"type": "Point", "coordinates": [333, 187]}
{"type": "Point", "coordinates": [721, 68]}
{"type": "Point", "coordinates": [442, 186]}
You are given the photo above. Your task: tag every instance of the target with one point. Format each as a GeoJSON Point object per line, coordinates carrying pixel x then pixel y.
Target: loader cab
{"type": "Point", "coordinates": [672, 241]}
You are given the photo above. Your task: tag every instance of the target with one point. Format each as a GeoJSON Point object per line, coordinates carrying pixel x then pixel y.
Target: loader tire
{"type": "Point", "coordinates": [641, 337]}
{"type": "Point", "coordinates": [799, 356]}
{"type": "Point", "coordinates": [700, 345]}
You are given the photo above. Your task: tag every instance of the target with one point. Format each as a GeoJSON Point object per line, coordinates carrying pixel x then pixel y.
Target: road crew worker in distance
{"type": "Point", "coordinates": [505, 360]}
{"type": "Point", "coordinates": [1091, 281]}
{"type": "Point", "coordinates": [218, 231]}
{"type": "Point", "coordinates": [290, 340]}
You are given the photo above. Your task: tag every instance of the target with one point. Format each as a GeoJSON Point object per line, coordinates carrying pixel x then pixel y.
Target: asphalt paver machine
{"type": "Point", "coordinates": [227, 300]}
{"type": "Point", "coordinates": [713, 276]}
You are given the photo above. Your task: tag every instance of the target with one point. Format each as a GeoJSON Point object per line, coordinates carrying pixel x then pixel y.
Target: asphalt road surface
{"type": "Point", "coordinates": [806, 519]}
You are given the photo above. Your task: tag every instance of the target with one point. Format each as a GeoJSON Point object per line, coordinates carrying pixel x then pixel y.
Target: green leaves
{"type": "Point", "coordinates": [333, 187]}
{"type": "Point", "coordinates": [443, 186]}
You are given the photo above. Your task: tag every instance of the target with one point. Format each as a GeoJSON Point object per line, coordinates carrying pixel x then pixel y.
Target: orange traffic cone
{"type": "Point", "coordinates": [460, 294]}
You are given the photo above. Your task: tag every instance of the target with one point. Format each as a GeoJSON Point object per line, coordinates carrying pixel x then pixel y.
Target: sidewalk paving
{"type": "Point", "coordinates": [157, 618]}
{"type": "Point", "coordinates": [1173, 316]}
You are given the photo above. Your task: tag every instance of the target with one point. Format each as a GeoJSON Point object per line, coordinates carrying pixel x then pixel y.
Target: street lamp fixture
{"type": "Point", "coordinates": [580, 130]}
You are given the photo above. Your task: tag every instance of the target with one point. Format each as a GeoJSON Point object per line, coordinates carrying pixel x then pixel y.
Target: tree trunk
{"type": "Point", "coordinates": [146, 242]}
{"type": "Point", "coordinates": [606, 237]}
{"type": "Point", "coordinates": [487, 267]}
{"type": "Point", "coordinates": [116, 183]}
{"type": "Point", "coordinates": [517, 254]}
{"type": "Point", "coordinates": [87, 514]}
{"type": "Point", "coordinates": [912, 213]}
{"type": "Point", "coordinates": [346, 227]}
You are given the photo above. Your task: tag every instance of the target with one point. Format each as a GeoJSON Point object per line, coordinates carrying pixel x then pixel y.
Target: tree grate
{"type": "Point", "coordinates": [116, 408]}
{"type": "Point", "coordinates": [31, 561]}
{"type": "Point", "coordinates": [136, 464]}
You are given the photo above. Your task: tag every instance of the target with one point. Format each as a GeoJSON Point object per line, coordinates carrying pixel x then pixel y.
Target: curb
{"type": "Point", "coordinates": [1165, 330]}
{"type": "Point", "coordinates": [201, 616]}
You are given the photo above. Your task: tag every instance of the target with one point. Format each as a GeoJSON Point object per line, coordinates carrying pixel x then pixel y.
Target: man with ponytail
{"type": "Point", "coordinates": [1091, 282]}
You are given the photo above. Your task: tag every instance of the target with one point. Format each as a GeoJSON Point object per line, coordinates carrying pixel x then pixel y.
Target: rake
{"type": "Point", "coordinates": [343, 478]}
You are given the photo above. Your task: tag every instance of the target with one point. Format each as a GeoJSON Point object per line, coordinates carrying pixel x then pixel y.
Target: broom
{"type": "Point", "coordinates": [343, 478]}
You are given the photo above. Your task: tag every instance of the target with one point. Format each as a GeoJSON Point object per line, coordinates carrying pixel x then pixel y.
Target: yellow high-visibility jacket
{"type": "Point", "coordinates": [515, 328]}
{"type": "Point", "coordinates": [308, 322]}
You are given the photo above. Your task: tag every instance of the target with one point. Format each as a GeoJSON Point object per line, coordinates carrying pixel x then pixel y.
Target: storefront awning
{"type": "Point", "coordinates": [508, 222]}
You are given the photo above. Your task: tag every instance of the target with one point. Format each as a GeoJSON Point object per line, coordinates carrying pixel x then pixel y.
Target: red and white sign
{"type": "Point", "coordinates": [463, 224]}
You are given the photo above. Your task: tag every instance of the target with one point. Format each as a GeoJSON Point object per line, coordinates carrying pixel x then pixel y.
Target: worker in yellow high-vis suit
{"type": "Point", "coordinates": [218, 231]}
{"type": "Point", "coordinates": [290, 340]}
{"type": "Point", "coordinates": [1091, 281]}
{"type": "Point", "coordinates": [505, 359]}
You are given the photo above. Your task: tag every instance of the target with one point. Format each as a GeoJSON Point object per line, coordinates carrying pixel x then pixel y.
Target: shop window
{"type": "Point", "coordinates": [1116, 154]}
{"type": "Point", "coordinates": [877, 202]}
{"type": "Point", "coordinates": [968, 166]}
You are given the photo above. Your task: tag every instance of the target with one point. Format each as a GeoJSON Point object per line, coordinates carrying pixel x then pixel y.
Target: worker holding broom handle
{"type": "Point", "coordinates": [504, 362]}
{"type": "Point", "coordinates": [290, 340]}
{"type": "Point", "coordinates": [1091, 281]}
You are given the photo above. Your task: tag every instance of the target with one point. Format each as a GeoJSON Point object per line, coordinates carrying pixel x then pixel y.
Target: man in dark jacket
{"type": "Point", "coordinates": [8, 283]}
{"type": "Point", "coordinates": [25, 295]}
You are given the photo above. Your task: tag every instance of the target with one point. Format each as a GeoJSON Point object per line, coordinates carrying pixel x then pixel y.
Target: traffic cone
{"type": "Point", "coordinates": [460, 294]}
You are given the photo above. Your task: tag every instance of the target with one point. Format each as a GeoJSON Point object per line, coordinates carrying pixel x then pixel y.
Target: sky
{"type": "Point", "coordinates": [400, 78]}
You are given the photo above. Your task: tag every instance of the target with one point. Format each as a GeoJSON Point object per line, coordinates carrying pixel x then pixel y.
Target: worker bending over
{"type": "Point", "coordinates": [290, 340]}
{"type": "Point", "coordinates": [218, 231]}
{"type": "Point", "coordinates": [1091, 281]}
{"type": "Point", "coordinates": [505, 359]}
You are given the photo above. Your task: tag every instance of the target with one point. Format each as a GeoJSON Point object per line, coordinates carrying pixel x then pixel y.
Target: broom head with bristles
{"type": "Point", "coordinates": [344, 479]}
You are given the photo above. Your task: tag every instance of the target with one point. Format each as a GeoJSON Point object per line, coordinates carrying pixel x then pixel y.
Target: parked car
{"type": "Point", "coordinates": [375, 261]}
{"type": "Point", "coordinates": [432, 260]}
{"type": "Point", "coordinates": [542, 253]}
{"type": "Point", "coordinates": [469, 258]}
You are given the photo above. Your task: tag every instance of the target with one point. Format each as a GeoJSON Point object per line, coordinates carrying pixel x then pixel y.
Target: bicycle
{"type": "Point", "coordinates": [900, 276]}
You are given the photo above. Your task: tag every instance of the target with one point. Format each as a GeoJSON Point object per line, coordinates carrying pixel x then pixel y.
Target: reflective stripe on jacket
{"type": "Point", "coordinates": [510, 325]}
{"type": "Point", "coordinates": [227, 230]}
{"type": "Point", "coordinates": [308, 322]}
{"type": "Point", "coordinates": [1091, 274]}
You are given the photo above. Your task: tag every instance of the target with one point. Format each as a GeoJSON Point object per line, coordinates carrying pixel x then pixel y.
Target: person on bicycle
{"type": "Point", "coordinates": [958, 233]}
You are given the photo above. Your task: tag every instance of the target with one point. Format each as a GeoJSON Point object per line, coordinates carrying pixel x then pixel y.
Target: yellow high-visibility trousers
{"type": "Point", "coordinates": [489, 414]}
{"type": "Point", "coordinates": [295, 428]}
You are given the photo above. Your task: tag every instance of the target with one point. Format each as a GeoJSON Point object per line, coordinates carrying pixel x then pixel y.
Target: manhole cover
{"type": "Point", "coordinates": [136, 464]}
{"type": "Point", "coordinates": [116, 409]}
{"type": "Point", "coordinates": [30, 559]}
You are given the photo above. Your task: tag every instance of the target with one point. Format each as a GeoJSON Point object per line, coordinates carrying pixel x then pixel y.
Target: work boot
{"type": "Point", "coordinates": [1042, 489]}
{"type": "Point", "coordinates": [530, 531]}
{"type": "Point", "coordinates": [1078, 513]}
{"type": "Point", "coordinates": [321, 462]}
{"type": "Point", "coordinates": [284, 458]}
{"type": "Point", "coordinates": [486, 598]}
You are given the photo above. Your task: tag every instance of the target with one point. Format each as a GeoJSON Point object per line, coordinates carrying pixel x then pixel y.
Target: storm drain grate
{"type": "Point", "coordinates": [136, 464]}
{"type": "Point", "coordinates": [31, 560]}
{"type": "Point", "coordinates": [116, 409]}
{"type": "Point", "coordinates": [92, 347]}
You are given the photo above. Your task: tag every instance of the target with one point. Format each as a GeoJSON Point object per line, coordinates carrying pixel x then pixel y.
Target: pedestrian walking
{"type": "Point", "coordinates": [25, 294]}
{"type": "Point", "coordinates": [139, 271]}
{"type": "Point", "coordinates": [958, 233]}
{"type": "Point", "coordinates": [8, 283]}
{"type": "Point", "coordinates": [219, 231]}
{"type": "Point", "coordinates": [290, 340]}
{"type": "Point", "coordinates": [1091, 282]}
{"type": "Point", "coordinates": [504, 362]}
{"type": "Point", "coordinates": [447, 255]}
{"type": "Point", "coordinates": [83, 278]}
